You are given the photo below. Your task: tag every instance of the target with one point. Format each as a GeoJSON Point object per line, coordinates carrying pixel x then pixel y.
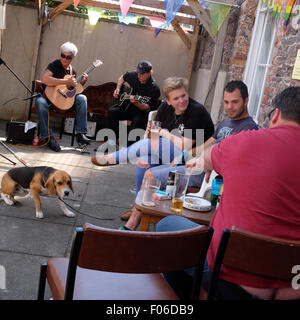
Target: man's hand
{"type": "Point", "coordinates": [132, 100]}
{"type": "Point", "coordinates": [195, 165]}
{"type": "Point", "coordinates": [71, 81]}
{"type": "Point", "coordinates": [116, 93]}
{"type": "Point", "coordinates": [84, 78]}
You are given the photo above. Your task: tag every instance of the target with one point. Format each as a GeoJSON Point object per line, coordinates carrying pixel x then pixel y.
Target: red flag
{"type": "Point", "coordinates": [125, 5]}
{"type": "Point", "coordinates": [76, 2]}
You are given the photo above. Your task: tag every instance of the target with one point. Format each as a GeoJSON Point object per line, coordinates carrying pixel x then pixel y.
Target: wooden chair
{"type": "Point", "coordinates": [255, 254]}
{"type": "Point", "coordinates": [109, 264]}
{"type": "Point", "coordinates": [53, 112]}
{"type": "Point", "coordinates": [99, 97]}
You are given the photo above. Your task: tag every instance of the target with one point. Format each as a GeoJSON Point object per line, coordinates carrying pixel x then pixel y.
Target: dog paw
{"type": "Point", "coordinates": [69, 214]}
{"type": "Point", "coordinates": [8, 199]}
{"type": "Point", "coordinates": [39, 215]}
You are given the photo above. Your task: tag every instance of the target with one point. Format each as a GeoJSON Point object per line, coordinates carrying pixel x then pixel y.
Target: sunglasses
{"type": "Point", "coordinates": [270, 114]}
{"type": "Point", "coordinates": [66, 57]}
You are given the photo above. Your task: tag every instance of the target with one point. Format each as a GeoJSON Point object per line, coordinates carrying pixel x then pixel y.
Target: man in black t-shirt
{"type": "Point", "coordinates": [141, 84]}
{"type": "Point", "coordinates": [53, 76]}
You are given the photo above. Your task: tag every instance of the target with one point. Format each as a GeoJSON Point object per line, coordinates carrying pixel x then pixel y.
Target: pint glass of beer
{"type": "Point", "coordinates": [181, 184]}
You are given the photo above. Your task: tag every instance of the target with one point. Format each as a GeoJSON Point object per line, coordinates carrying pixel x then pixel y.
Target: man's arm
{"type": "Point", "coordinates": [180, 143]}
{"type": "Point", "coordinates": [118, 88]}
{"type": "Point", "coordinates": [202, 163]}
{"type": "Point", "coordinates": [49, 80]}
{"type": "Point", "coordinates": [193, 152]}
{"type": "Point", "coordinates": [142, 106]}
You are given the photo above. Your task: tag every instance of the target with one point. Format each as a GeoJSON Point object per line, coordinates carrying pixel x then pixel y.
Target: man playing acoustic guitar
{"type": "Point", "coordinates": [142, 98]}
{"type": "Point", "coordinates": [55, 75]}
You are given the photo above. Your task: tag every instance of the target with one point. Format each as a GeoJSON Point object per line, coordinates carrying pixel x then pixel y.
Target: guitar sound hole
{"type": "Point", "coordinates": [70, 87]}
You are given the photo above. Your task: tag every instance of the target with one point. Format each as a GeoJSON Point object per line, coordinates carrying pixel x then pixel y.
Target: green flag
{"type": "Point", "coordinates": [218, 13]}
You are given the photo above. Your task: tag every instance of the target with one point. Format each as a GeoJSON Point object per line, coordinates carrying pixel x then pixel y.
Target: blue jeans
{"type": "Point", "coordinates": [80, 107]}
{"type": "Point", "coordinates": [142, 150]}
{"type": "Point", "coordinates": [181, 280]}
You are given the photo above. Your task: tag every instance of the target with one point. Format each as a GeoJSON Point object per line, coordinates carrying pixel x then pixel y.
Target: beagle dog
{"type": "Point", "coordinates": [35, 179]}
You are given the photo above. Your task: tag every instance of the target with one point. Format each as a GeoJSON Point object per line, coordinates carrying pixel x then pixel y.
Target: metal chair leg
{"type": "Point", "coordinates": [42, 282]}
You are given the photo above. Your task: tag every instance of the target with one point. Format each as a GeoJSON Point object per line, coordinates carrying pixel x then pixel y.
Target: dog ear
{"type": "Point", "coordinates": [71, 184]}
{"type": "Point", "coordinates": [50, 185]}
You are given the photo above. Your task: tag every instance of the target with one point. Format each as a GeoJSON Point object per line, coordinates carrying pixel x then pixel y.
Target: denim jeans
{"type": "Point", "coordinates": [142, 150]}
{"type": "Point", "coordinates": [80, 107]}
{"type": "Point", "coordinates": [181, 280]}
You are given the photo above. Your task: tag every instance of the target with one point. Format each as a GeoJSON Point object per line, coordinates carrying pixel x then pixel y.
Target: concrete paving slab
{"type": "Point", "coordinates": [94, 215]}
{"type": "Point", "coordinates": [25, 209]}
{"type": "Point", "coordinates": [21, 275]}
{"type": "Point", "coordinates": [25, 242]}
{"type": "Point", "coordinates": [36, 237]}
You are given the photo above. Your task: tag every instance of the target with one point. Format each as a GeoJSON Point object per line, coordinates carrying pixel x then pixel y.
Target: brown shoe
{"type": "Point", "coordinates": [105, 164]}
{"type": "Point", "coordinates": [126, 215]}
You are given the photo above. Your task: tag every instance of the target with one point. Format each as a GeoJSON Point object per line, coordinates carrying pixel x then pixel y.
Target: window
{"type": "Point", "coordinates": [259, 56]}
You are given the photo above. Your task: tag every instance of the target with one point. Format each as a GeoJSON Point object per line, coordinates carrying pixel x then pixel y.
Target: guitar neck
{"type": "Point", "coordinates": [89, 70]}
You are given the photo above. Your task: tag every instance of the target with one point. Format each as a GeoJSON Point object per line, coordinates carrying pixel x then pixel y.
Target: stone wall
{"type": "Point", "coordinates": [280, 74]}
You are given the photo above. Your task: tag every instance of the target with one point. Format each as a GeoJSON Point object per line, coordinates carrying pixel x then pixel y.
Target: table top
{"type": "Point", "coordinates": [162, 209]}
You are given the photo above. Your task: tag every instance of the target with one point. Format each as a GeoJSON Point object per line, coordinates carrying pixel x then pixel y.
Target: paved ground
{"type": "Point", "coordinates": [25, 241]}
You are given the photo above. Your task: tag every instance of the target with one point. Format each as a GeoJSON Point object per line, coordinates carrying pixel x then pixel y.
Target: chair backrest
{"type": "Point", "coordinates": [206, 186]}
{"type": "Point", "coordinates": [255, 254]}
{"type": "Point", "coordinates": [121, 251]}
{"type": "Point", "coordinates": [37, 84]}
{"type": "Point", "coordinates": [99, 97]}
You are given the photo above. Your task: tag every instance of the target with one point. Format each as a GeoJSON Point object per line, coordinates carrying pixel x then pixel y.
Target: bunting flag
{"type": "Point", "coordinates": [280, 4]}
{"type": "Point", "coordinates": [218, 13]}
{"type": "Point", "coordinates": [76, 3]}
{"type": "Point", "coordinates": [94, 14]}
{"type": "Point", "coordinates": [171, 8]}
{"type": "Point", "coordinates": [288, 10]}
{"type": "Point", "coordinates": [299, 16]}
{"type": "Point", "coordinates": [125, 5]}
{"type": "Point", "coordinates": [275, 9]}
{"type": "Point", "coordinates": [268, 5]}
{"type": "Point", "coordinates": [130, 18]}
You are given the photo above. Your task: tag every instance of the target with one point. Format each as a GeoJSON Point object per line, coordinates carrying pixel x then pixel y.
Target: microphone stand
{"type": "Point", "coordinates": [32, 96]}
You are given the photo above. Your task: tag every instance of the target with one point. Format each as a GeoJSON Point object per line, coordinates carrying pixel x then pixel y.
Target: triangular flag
{"type": "Point", "coordinates": [288, 10]}
{"type": "Point", "coordinates": [218, 13]}
{"type": "Point", "coordinates": [125, 5]}
{"type": "Point", "coordinates": [171, 8]}
{"type": "Point", "coordinates": [76, 3]}
{"type": "Point", "coordinates": [280, 4]}
{"type": "Point", "coordinates": [275, 9]}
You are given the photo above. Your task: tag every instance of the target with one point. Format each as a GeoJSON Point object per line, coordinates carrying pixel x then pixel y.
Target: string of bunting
{"type": "Point", "coordinates": [277, 8]}
{"type": "Point", "coordinates": [218, 12]}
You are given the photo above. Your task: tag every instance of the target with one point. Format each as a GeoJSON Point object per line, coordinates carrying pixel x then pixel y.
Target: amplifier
{"type": "Point", "coordinates": [15, 133]}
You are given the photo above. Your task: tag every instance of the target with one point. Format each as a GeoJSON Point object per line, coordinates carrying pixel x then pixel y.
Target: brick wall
{"type": "Point", "coordinates": [236, 48]}
{"type": "Point", "coordinates": [242, 40]}
{"type": "Point", "coordinates": [283, 58]}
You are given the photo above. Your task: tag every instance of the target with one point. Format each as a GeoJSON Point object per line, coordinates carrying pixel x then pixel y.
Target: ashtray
{"type": "Point", "coordinates": [197, 204]}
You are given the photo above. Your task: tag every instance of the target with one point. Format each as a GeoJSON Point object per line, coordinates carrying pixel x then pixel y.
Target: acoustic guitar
{"type": "Point", "coordinates": [124, 96]}
{"type": "Point", "coordinates": [63, 96]}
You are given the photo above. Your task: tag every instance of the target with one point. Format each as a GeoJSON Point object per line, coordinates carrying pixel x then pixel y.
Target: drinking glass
{"type": "Point", "coordinates": [150, 186]}
{"type": "Point", "coordinates": [181, 184]}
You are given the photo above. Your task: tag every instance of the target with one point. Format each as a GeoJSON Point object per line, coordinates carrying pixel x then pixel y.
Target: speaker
{"type": "Point", "coordinates": [15, 133]}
